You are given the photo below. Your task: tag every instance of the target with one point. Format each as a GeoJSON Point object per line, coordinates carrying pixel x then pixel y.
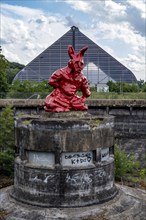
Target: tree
{"type": "Point", "coordinates": [122, 87]}
{"type": "Point", "coordinates": [130, 87]}
{"type": "Point", "coordinates": [144, 87]}
{"type": "Point", "coordinates": [6, 141]}
{"type": "Point", "coordinates": [12, 69]}
{"type": "Point", "coordinates": [26, 89]}
{"type": "Point", "coordinates": [3, 77]}
{"type": "Point", "coordinates": [140, 83]}
{"type": "Point", "coordinates": [113, 87]}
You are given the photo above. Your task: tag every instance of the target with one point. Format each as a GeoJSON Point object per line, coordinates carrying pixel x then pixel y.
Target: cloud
{"type": "Point", "coordinates": [136, 64]}
{"type": "Point", "coordinates": [117, 26]}
{"type": "Point", "coordinates": [124, 34]}
{"type": "Point", "coordinates": [115, 8]}
{"type": "Point", "coordinates": [23, 12]}
{"type": "Point", "coordinates": [114, 11]}
{"type": "Point", "coordinates": [70, 22]}
{"type": "Point", "coordinates": [98, 9]}
{"type": "Point", "coordinates": [140, 5]}
{"type": "Point", "coordinates": [26, 36]}
{"type": "Point", "coordinates": [12, 56]}
{"type": "Point", "coordinates": [84, 6]}
{"type": "Point", "coordinates": [123, 31]}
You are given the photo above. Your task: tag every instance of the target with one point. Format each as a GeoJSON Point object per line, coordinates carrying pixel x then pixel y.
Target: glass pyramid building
{"type": "Point", "coordinates": [100, 67]}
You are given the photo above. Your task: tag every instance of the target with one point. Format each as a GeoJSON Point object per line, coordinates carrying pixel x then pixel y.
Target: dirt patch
{"type": "Point", "coordinates": [140, 184]}
{"type": "Point", "coordinates": [6, 181]}
{"type": "Point", "coordinates": [3, 214]}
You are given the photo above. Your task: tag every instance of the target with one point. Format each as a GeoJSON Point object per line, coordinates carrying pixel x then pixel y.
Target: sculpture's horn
{"type": "Point", "coordinates": [71, 51]}
{"type": "Point", "coordinates": [82, 51]}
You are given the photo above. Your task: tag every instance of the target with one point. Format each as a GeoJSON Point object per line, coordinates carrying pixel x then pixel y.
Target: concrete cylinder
{"type": "Point", "coordinates": [65, 159]}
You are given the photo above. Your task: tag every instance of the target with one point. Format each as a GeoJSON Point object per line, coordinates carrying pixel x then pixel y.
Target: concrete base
{"type": "Point", "coordinates": [64, 187]}
{"type": "Point", "coordinates": [129, 204]}
{"type": "Point", "coordinates": [65, 160]}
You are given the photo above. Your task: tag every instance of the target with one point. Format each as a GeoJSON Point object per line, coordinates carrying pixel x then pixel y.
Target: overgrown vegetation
{"type": "Point", "coordinates": [120, 87]}
{"type": "Point", "coordinates": [12, 69]}
{"type": "Point", "coordinates": [33, 89]}
{"type": "Point", "coordinates": [114, 95]}
{"type": "Point", "coordinates": [3, 77]}
{"type": "Point", "coordinates": [8, 71]}
{"type": "Point", "coordinates": [29, 89]}
{"type": "Point", "coordinates": [127, 168]}
{"type": "Point", "coordinates": [7, 141]}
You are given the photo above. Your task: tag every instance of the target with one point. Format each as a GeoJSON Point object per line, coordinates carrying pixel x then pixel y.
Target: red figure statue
{"type": "Point", "coordinates": [66, 82]}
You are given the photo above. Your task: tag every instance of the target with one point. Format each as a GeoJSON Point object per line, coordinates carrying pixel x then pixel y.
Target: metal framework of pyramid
{"type": "Point", "coordinates": [100, 67]}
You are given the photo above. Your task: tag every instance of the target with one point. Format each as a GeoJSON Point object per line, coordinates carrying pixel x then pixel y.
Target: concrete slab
{"type": "Point", "coordinates": [129, 204]}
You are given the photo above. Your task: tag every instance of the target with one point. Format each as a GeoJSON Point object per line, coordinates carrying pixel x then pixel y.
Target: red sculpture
{"type": "Point", "coordinates": [66, 82]}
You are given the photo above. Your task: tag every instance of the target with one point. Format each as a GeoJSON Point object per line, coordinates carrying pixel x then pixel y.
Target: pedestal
{"type": "Point", "coordinates": [65, 159]}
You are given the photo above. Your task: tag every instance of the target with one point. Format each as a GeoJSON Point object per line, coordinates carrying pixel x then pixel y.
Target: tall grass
{"type": "Point", "coordinates": [113, 95]}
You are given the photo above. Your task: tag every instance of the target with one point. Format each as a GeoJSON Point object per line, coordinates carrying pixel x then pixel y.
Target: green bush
{"type": "Point", "coordinates": [7, 163]}
{"type": "Point", "coordinates": [120, 163]}
{"type": "Point", "coordinates": [29, 89]}
{"type": "Point", "coordinates": [3, 77]}
{"type": "Point", "coordinates": [7, 145]}
{"type": "Point", "coordinates": [133, 165]}
{"type": "Point", "coordinates": [142, 173]}
{"type": "Point", "coordinates": [124, 164]}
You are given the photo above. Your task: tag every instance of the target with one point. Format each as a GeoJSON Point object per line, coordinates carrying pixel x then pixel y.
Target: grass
{"type": "Point", "coordinates": [128, 170]}
{"type": "Point", "coordinates": [94, 95]}
{"type": "Point", "coordinates": [133, 181]}
{"type": "Point", "coordinates": [113, 95]}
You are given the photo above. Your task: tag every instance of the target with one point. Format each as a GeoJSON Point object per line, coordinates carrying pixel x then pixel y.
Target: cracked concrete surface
{"type": "Point", "coordinates": [129, 204]}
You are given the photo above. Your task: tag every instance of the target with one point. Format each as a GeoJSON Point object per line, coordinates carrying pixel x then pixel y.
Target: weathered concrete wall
{"type": "Point", "coordinates": [105, 105]}
{"type": "Point", "coordinates": [130, 124]}
{"type": "Point", "coordinates": [130, 120]}
{"type": "Point", "coordinates": [64, 134]}
{"type": "Point", "coordinates": [130, 134]}
{"type": "Point", "coordinates": [64, 187]}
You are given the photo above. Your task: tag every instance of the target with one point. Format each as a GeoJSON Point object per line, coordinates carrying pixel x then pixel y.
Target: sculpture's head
{"type": "Point", "coordinates": [76, 60]}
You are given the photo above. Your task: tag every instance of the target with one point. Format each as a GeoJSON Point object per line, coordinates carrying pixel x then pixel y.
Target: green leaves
{"type": "Point", "coordinates": [3, 77]}
{"type": "Point", "coordinates": [7, 141]}
{"type": "Point", "coordinates": [6, 163]}
{"type": "Point", "coordinates": [124, 164]}
{"type": "Point", "coordinates": [120, 87]}
{"type": "Point", "coordinates": [27, 88]}
{"type": "Point", "coordinates": [121, 162]}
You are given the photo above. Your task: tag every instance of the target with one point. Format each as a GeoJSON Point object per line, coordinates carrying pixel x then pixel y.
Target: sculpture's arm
{"type": "Point", "coordinates": [55, 79]}
{"type": "Point", "coordinates": [85, 88]}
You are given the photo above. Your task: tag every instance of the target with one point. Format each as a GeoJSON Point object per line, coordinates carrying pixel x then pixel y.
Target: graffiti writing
{"type": "Point", "coordinates": [77, 158]}
{"type": "Point", "coordinates": [41, 178]}
{"type": "Point", "coordinates": [100, 176]}
{"type": "Point", "coordinates": [82, 181]}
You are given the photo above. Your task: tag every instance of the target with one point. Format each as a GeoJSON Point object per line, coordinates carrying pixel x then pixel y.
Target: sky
{"type": "Point", "coordinates": [28, 27]}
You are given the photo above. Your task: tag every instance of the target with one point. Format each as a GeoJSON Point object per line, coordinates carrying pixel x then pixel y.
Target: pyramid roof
{"type": "Point", "coordinates": [56, 57]}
